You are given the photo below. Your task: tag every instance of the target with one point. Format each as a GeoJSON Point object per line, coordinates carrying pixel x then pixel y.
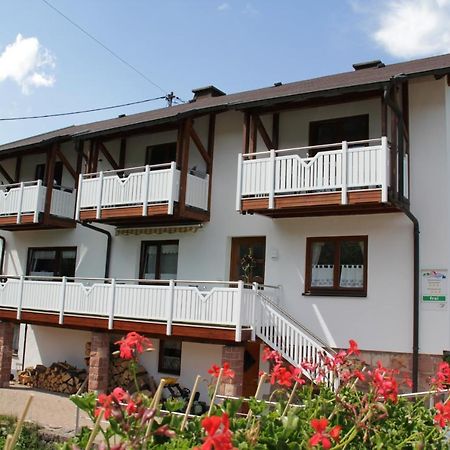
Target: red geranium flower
{"type": "Point", "coordinates": [227, 372]}
{"type": "Point", "coordinates": [321, 436]}
{"type": "Point", "coordinates": [353, 349]}
{"type": "Point", "coordinates": [105, 403]}
{"type": "Point", "coordinates": [442, 378]}
{"type": "Point", "coordinates": [443, 417]}
{"type": "Point", "coordinates": [218, 434]}
{"type": "Point", "coordinates": [133, 344]}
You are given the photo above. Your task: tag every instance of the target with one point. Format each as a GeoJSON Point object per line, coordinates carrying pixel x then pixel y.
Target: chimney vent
{"type": "Point", "coordinates": [121, 115]}
{"type": "Point", "coordinates": [206, 92]}
{"type": "Point", "coordinates": [375, 64]}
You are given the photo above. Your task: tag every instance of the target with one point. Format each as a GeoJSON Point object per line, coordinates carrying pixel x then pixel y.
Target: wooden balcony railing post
{"type": "Point", "coordinates": [37, 201]}
{"type": "Point", "coordinates": [272, 179]}
{"type": "Point", "coordinates": [19, 306]}
{"type": "Point", "coordinates": [172, 187]}
{"type": "Point", "coordinates": [19, 209]}
{"type": "Point", "coordinates": [238, 311]}
{"type": "Point", "coordinates": [344, 172]}
{"type": "Point", "coordinates": [112, 301]}
{"type": "Point", "coordinates": [99, 196]}
{"type": "Point", "coordinates": [145, 190]}
{"type": "Point", "coordinates": [239, 182]}
{"type": "Point", "coordinates": [384, 169]}
{"type": "Point", "coordinates": [170, 307]}
{"type": "Point", "coordinates": [62, 300]}
{"type": "Point", "coordinates": [78, 205]}
{"type": "Point", "coordinates": [253, 318]}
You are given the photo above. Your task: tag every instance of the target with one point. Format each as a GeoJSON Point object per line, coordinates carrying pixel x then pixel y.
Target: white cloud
{"type": "Point", "coordinates": [408, 28]}
{"type": "Point", "coordinates": [26, 62]}
{"type": "Point", "coordinates": [250, 10]}
{"type": "Point", "coordinates": [223, 7]}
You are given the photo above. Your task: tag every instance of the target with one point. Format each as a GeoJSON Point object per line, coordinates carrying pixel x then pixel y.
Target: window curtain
{"type": "Point", "coordinates": [169, 262]}
{"type": "Point", "coordinates": [352, 276]}
{"type": "Point", "coordinates": [42, 259]}
{"type": "Point", "coordinates": [321, 274]}
{"type": "Point", "coordinates": [150, 263]}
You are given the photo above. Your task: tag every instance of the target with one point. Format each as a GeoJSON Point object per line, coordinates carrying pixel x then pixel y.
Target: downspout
{"type": "Point", "coordinates": [108, 243]}
{"type": "Point", "coordinates": [416, 266]}
{"type": "Point", "coordinates": [2, 255]}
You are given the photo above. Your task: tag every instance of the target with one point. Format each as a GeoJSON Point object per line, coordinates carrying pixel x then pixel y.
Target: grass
{"type": "Point", "coordinates": [29, 437]}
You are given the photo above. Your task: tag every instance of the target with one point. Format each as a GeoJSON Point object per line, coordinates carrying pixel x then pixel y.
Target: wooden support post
{"type": "Point", "coordinates": [79, 148]}
{"type": "Point", "coordinates": [253, 135]}
{"type": "Point", "coordinates": [209, 169]}
{"type": "Point", "coordinates": [18, 167]}
{"type": "Point", "coordinates": [122, 153]}
{"type": "Point", "coordinates": [275, 130]}
{"type": "Point", "coordinates": [384, 129]}
{"type": "Point", "coordinates": [50, 178]}
{"type": "Point", "coordinates": [179, 149]}
{"type": "Point", "coordinates": [184, 165]}
{"type": "Point", "coordinates": [246, 133]}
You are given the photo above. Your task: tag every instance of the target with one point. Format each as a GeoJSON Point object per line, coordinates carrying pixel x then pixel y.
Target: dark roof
{"type": "Point", "coordinates": [363, 79]}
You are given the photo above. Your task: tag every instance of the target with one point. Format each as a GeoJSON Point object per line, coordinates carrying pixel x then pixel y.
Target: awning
{"type": "Point", "coordinates": [158, 230]}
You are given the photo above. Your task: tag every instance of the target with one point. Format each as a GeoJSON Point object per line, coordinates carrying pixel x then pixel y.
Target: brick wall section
{"type": "Point", "coordinates": [99, 362]}
{"type": "Point", "coordinates": [6, 343]}
{"type": "Point", "coordinates": [234, 355]}
{"type": "Point", "coordinates": [428, 365]}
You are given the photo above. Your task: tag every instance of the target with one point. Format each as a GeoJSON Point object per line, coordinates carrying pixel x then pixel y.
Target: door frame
{"type": "Point", "coordinates": [234, 255]}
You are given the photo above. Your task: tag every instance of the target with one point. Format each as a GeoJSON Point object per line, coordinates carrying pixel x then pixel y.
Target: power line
{"type": "Point", "coordinates": [112, 52]}
{"type": "Point", "coordinates": [71, 113]}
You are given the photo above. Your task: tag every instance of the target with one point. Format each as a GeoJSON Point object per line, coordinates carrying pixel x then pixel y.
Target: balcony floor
{"type": "Point", "coordinates": [156, 214]}
{"type": "Point", "coordinates": [321, 204]}
{"type": "Point", "coordinates": [9, 223]}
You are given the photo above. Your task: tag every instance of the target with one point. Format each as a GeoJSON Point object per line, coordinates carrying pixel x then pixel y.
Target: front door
{"type": "Point", "coordinates": [248, 256]}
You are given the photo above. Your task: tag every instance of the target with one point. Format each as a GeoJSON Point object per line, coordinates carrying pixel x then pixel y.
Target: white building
{"type": "Point", "coordinates": [314, 189]}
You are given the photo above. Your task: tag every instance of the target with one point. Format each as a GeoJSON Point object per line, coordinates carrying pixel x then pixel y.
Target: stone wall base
{"type": "Point", "coordinates": [99, 362]}
{"type": "Point", "coordinates": [234, 356]}
{"type": "Point", "coordinates": [6, 343]}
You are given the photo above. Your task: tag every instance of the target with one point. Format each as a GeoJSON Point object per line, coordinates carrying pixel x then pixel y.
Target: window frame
{"type": "Point", "coordinates": [161, 355]}
{"type": "Point", "coordinates": [58, 251]}
{"type": "Point", "coordinates": [336, 290]}
{"type": "Point", "coordinates": [159, 244]}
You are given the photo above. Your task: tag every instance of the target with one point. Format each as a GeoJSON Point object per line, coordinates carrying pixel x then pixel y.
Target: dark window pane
{"type": "Point", "coordinates": [170, 357]}
{"type": "Point", "coordinates": [322, 263]}
{"type": "Point", "coordinates": [169, 261]}
{"type": "Point", "coordinates": [351, 270]}
{"type": "Point", "coordinates": [68, 261]}
{"type": "Point", "coordinates": [161, 154]}
{"type": "Point", "coordinates": [151, 252]}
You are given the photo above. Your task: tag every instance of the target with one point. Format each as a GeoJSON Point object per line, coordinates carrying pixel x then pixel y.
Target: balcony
{"type": "Point", "coordinates": [22, 206]}
{"type": "Point", "coordinates": [213, 309]}
{"type": "Point", "coordinates": [149, 193]}
{"type": "Point", "coordinates": [340, 178]}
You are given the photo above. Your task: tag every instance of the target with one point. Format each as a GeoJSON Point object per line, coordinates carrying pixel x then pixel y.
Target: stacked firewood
{"type": "Point", "coordinates": [59, 377]}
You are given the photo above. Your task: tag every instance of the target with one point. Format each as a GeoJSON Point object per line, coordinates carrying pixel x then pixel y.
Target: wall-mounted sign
{"type": "Point", "coordinates": [434, 286]}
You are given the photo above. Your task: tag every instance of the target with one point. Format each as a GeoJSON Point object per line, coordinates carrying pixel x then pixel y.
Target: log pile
{"type": "Point", "coordinates": [59, 377]}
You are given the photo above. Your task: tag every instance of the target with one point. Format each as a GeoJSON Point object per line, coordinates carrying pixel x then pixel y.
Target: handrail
{"type": "Point", "coordinates": [297, 323]}
{"type": "Point", "coordinates": [127, 169]}
{"type": "Point", "coordinates": [313, 147]}
{"type": "Point", "coordinates": [133, 280]}
{"type": "Point", "coordinates": [24, 183]}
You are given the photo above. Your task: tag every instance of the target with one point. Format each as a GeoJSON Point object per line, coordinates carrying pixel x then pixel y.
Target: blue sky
{"type": "Point", "coordinates": [49, 66]}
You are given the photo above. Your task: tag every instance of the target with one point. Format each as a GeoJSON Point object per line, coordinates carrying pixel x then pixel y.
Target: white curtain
{"type": "Point", "coordinates": [352, 276]}
{"type": "Point", "coordinates": [150, 263]}
{"type": "Point", "coordinates": [322, 275]}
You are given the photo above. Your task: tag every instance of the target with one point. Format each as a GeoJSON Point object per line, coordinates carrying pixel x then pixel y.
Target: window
{"type": "Point", "coordinates": [336, 266]}
{"type": "Point", "coordinates": [40, 174]}
{"type": "Point", "coordinates": [161, 154]}
{"type": "Point", "coordinates": [159, 260]}
{"type": "Point", "coordinates": [52, 262]}
{"type": "Point", "coordinates": [332, 131]}
{"type": "Point", "coordinates": [169, 357]}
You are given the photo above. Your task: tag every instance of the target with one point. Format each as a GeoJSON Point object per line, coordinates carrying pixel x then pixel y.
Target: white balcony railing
{"type": "Point", "coordinates": [138, 186]}
{"type": "Point", "coordinates": [29, 198]}
{"type": "Point", "coordinates": [361, 165]}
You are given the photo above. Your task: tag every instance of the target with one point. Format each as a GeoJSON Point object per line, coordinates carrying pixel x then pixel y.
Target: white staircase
{"type": "Point", "coordinates": [293, 341]}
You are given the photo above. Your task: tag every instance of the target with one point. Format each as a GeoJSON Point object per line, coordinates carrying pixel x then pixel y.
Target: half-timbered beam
{"type": "Point", "coordinates": [253, 134]}
{"type": "Point", "coordinates": [66, 163]}
{"type": "Point", "coordinates": [115, 165]}
{"type": "Point", "coordinates": [122, 153]}
{"type": "Point", "coordinates": [184, 164]}
{"type": "Point", "coordinates": [50, 178]}
{"type": "Point", "coordinates": [275, 130]}
{"type": "Point", "coordinates": [200, 147]}
{"type": "Point", "coordinates": [211, 134]}
{"type": "Point", "coordinates": [8, 177]}
{"type": "Point", "coordinates": [246, 133]}
{"type": "Point", "coordinates": [18, 168]}
{"type": "Point", "coordinates": [263, 132]}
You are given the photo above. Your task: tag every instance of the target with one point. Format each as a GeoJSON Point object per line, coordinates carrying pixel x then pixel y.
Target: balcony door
{"type": "Point", "coordinates": [159, 260]}
{"type": "Point", "coordinates": [248, 259]}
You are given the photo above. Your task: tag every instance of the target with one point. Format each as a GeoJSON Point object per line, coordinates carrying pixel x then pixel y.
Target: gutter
{"type": "Point", "coordinates": [416, 246]}
{"type": "Point", "coordinates": [108, 244]}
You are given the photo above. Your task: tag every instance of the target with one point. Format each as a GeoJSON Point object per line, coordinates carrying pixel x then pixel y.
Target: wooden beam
{"type": "Point", "coordinates": [211, 134]}
{"type": "Point", "coordinates": [50, 178]}
{"type": "Point", "coordinates": [275, 130]}
{"type": "Point", "coordinates": [66, 163]}
{"type": "Point", "coordinates": [94, 162]}
{"type": "Point", "coordinates": [246, 133]}
{"type": "Point", "coordinates": [200, 147]}
{"type": "Point", "coordinates": [179, 149]}
{"type": "Point", "coordinates": [18, 167]}
{"type": "Point", "coordinates": [80, 153]}
{"type": "Point", "coordinates": [263, 132]}
{"type": "Point", "coordinates": [253, 135]}
{"type": "Point", "coordinates": [184, 167]}
{"type": "Point", "coordinates": [3, 171]}
{"type": "Point", "coordinates": [122, 153]}
{"type": "Point", "coordinates": [108, 156]}
{"type": "Point", "coordinates": [448, 79]}
{"type": "Point", "coordinates": [384, 128]}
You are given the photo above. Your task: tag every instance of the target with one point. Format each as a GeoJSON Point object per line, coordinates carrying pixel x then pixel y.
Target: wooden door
{"type": "Point", "coordinates": [248, 258]}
